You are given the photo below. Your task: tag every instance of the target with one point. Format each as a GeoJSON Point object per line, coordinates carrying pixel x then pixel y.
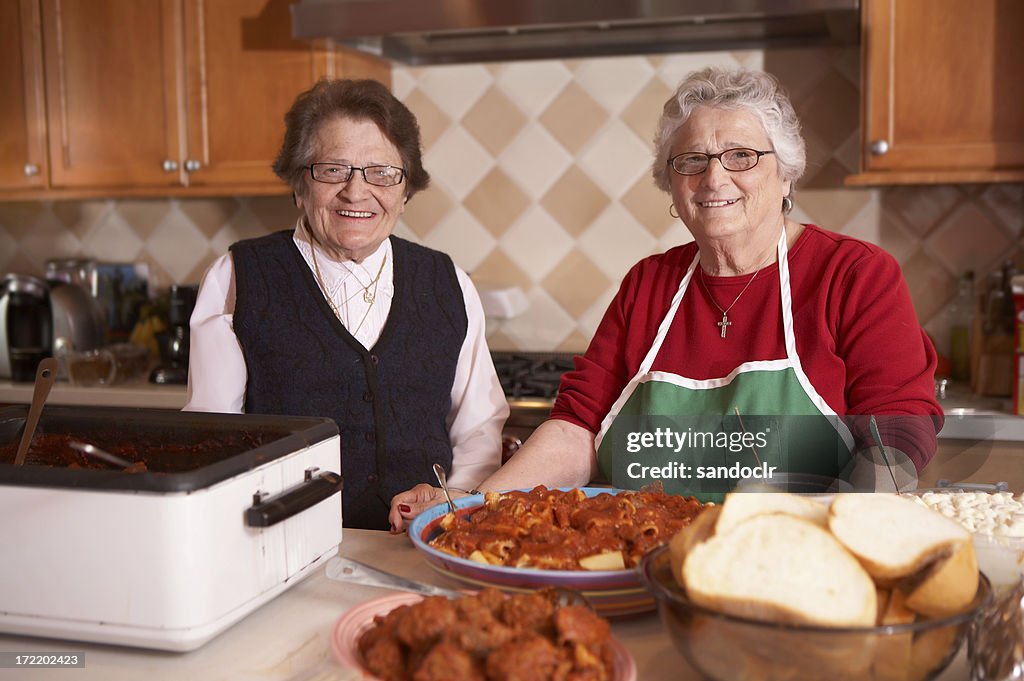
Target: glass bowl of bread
{"type": "Point", "coordinates": [773, 586]}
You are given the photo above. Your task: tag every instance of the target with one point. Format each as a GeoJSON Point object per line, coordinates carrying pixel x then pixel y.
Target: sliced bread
{"type": "Point", "coordinates": [776, 567]}
{"type": "Point", "coordinates": [701, 529]}
{"type": "Point", "coordinates": [741, 505]}
{"type": "Point", "coordinates": [949, 585]}
{"type": "Point", "coordinates": [893, 537]}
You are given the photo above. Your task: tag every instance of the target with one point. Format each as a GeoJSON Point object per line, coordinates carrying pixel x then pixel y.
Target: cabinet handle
{"type": "Point", "coordinates": [879, 147]}
{"type": "Point", "coordinates": [192, 165]}
{"type": "Point", "coordinates": [170, 166]}
{"type": "Point", "coordinates": [31, 169]}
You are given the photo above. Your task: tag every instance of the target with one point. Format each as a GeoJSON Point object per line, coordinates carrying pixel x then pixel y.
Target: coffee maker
{"type": "Point", "coordinates": [174, 343]}
{"type": "Point", "coordinates": [26, 326]}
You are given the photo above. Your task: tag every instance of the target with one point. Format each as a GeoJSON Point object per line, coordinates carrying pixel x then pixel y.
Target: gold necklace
{"type": "Point", "coordinates": [368, 298]}
{"type": "Point", "coordinates": [725, 323]}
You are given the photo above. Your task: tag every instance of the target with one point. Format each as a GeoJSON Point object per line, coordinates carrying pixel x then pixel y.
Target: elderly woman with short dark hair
{"type": "Point", "coordinates": [337, 317]}
{"type": "Point", "coordinates": [752, 352]}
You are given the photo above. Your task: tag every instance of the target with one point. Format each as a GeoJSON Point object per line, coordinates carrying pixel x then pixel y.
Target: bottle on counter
{"type": "Point", "coordinates": [961, 321]}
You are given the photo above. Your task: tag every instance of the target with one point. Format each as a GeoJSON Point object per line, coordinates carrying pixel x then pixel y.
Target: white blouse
{"type": "Point", "coordinates": [217, 374]}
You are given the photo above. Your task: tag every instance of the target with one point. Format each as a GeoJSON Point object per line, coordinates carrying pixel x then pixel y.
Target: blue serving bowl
{"type": "Point", "coordinates": [612, 593]}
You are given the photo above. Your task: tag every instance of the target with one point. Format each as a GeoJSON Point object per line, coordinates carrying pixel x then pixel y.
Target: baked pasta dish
{"type": "Point", "coordinates": [566, 530]}
{"type": "Point", "coordinates": [489, 637]}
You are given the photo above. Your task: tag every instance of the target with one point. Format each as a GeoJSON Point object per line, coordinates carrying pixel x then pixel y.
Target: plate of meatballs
{"type": "Point", "coordinates": [486, 636]}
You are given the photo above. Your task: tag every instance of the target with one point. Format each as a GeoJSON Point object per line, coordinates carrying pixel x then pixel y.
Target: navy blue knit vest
{"type": "Point", "coordinates": [390, 402]}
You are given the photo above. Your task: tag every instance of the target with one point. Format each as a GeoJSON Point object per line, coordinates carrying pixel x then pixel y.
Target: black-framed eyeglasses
{"type": "Point", "coordinates": [735, 160]}
{"type": "Point", "coordinates": [336, 173]}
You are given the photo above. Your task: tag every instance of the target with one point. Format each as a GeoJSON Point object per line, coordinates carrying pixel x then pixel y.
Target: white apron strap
{"type": "Point", "coordinates": [643, 371]}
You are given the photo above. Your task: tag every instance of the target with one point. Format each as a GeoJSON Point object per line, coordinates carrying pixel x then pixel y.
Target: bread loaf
{"type": "Point", "coordinates": [760, 569]}
{"type": "Point", "coordinates": [891, 536]}
{"type": "Point", "coordinates": [738, 507]}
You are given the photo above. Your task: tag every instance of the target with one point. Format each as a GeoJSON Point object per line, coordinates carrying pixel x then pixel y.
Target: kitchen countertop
{"type": "Point", "coordinates": [135, 393]}
{"type": "Point", "coordinates": [967, 417]}
{"type": "Point", "coordinates": [289, 638]}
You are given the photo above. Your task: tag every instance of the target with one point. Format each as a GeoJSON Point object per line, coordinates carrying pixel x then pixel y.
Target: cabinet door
{"type": "Point", "coordinates": [243, 72]}
{"type": "Point", "coordinates": [22, 129]}
{"type": "Point", "coordinates": [112, 69]}
{"type": "Point", "coordinates": [940, 87]}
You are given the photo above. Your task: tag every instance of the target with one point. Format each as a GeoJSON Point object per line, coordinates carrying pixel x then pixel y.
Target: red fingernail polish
{"type": "Point", "coordinates": [404, 508]}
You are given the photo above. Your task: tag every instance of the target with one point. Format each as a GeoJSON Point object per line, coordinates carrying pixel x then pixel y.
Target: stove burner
{"type": "Point", "coordinates": [531, 374]}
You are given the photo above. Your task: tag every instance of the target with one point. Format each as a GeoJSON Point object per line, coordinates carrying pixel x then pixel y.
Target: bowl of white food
{"type": "Point", "coordinates": [996, 522]}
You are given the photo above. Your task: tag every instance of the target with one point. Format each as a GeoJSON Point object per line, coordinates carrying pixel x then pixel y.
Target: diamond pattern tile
{"type": "Point", "coordinates": [575, 283]}
{"type": "Point", "coordinates": [494, 120]}
{"type": "Point", "coordinates": [496, 202]}
{"type": "Point", "coordinates": [18, 217]}
{"type": "Point", "coordinates": [499, 271]}
{"type": "Point", "coordinates": [432, 120]}
{"type": "Point", "coordinates": [425, 210]}
{"type": "Point", "coordinates": [176, 244]}
{"type": "Point", "coordinates": [541, 179]}
{"type": "Point", "coordinates": [537, 242]}
{"type": "Point", "coordinates": [969, 240]}
{"type": "Point", "coordinates": [883, 228]}
{"type": "Point", "coordinates": [113, 240]}
{"type": "Point", "coordinates": [575, 200]}
{"type": "Point", "coordinates": [574, 117]}
{"type": "Point", "coordinates": [455, 89]}
{"type": "Point", "coordinates": [535, 159]}
{"type": "Point", "coordinates": [209, 214]}
{"type": "Point", "coordinates": [616, 241]}
{"type": "Point", "coordinates": [641, 115]}
{"type": "Point", "coordinates": [831, 109]}
{"type": "Point", "coordinates": [144, 214]}
{"type": "Point", "coordinates": [457, 162]}
{"type": "Point", "coordinates": [272, 212]}
{"type": "Point", "coordinates": [614, 82]}
{"type": "Point", "coordinates": [80, 216]}
{"type": "Point", "coordinates": [533, 85]}
{"type": "Point", "coordinates": [673, 68]}
{"type": "Point", "coordinates": [1006, 201]}
{"type": "Point", "coordinates": [922, 207]}
{"type": "Point", "coordinates": [931, 285]}
{"type": "Point", "coordinates": [48, 239]}
{"type": "Point", "coordinates": [649, 206]}
{"type": "Point", "coordinates": [615, 158]}
{"type": "Point", "coordinates": [545, 325]}
{"type": "Point", "coordinates": [463, 238]}
{"type": "Point", "coordinates": [832, 208]}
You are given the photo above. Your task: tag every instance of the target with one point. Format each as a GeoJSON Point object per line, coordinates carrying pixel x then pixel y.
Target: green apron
{"type": "Point", "coordinates": [687, 433]}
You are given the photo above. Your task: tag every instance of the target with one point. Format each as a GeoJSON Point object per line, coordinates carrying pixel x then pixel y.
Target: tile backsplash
{"type": "Point", "coordinates": [541, 180]}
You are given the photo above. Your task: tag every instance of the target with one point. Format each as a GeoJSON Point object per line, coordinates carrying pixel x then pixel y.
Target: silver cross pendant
{"type": "Point", "coordinates": [725, 323]}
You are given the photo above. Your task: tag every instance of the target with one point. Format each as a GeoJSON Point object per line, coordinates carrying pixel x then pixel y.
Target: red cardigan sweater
{"type": "Point", "coordinates": [857, 335]}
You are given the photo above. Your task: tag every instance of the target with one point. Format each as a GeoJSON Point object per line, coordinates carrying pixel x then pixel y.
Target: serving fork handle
{"type": "Point", "coordinates": [354, 572]}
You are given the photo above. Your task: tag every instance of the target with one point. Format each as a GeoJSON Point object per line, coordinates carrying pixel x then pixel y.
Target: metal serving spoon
{"type": "Point", "coordinates": [442, 479]}
{"type": "Point", "coordinates": [101, 454]}
{"type": "Point", "coordinates": [352, 571]}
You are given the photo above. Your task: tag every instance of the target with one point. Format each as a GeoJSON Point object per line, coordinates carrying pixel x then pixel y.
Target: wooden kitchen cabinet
{"type": "Point", "coordinates": [175, 97]}
{"type": "Point", "coordinates": [112, 110]}
{"type": "Point", "coordinates": [243, 71]}
{"type": "Point", "coordinates": [23, 163]}
{"type": "Point", "coordinates": [940, 100]}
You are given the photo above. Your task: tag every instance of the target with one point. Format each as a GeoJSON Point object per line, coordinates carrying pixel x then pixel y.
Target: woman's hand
{"type": "Point", "coordinates": [407, 505]}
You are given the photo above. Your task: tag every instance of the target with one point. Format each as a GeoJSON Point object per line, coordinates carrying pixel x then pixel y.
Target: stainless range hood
{"type": "Point", "coordinates": [453, 31]}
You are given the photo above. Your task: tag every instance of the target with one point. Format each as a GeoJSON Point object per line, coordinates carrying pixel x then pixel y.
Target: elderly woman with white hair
{"type": "Point", "coordinates": [750, 352]}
